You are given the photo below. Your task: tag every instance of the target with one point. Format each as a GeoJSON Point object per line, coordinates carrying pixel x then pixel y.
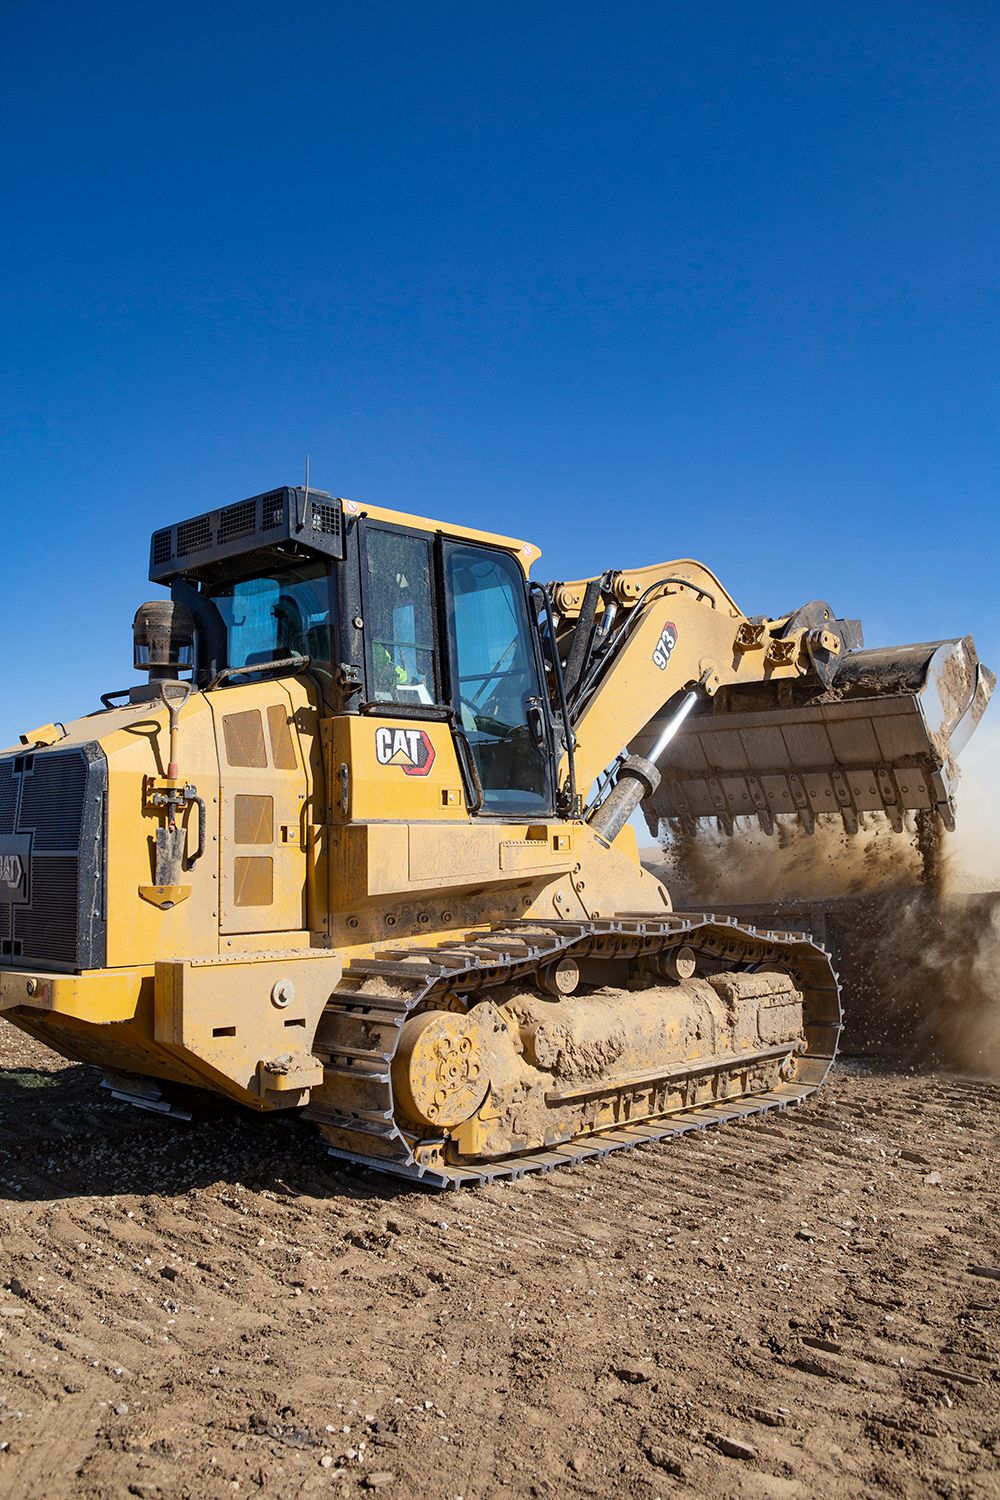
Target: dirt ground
{"type": "Point", "coordinates": [783, 1308]}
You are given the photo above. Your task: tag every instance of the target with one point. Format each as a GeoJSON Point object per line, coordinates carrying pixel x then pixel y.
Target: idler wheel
{"type": "Point", "coordinates": [676, 964]}
{"type": "Point", "coordinates": [559, 978]}
{"type": "Point", "coordinates": [438, 1074]}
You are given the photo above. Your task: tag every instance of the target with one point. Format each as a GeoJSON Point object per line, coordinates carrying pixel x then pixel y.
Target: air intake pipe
{"type": "Point", "coordinates": [163, 640]}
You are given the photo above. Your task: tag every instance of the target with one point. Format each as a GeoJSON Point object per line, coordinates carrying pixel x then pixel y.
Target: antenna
{"type": "Point", "coordinates": [301, 521]}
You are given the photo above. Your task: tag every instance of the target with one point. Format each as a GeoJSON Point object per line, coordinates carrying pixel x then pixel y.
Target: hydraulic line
{"type": "Point", "coordinates": [593, 675]}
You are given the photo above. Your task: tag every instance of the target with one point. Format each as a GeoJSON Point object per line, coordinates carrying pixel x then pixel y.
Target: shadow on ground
{"type": "Point", "coordinates": [62, 1136]}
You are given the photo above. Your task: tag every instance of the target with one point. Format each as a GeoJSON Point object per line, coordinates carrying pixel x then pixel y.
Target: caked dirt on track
{"type": "Point", "coordinates": [783, 1308]}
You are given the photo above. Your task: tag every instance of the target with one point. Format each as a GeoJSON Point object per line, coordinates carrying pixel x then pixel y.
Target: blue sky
{"type": "Point", "coordinates": [637, 282]}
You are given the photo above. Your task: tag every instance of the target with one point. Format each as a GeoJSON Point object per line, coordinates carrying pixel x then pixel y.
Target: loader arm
{"type": "Point", "coordinates": [788, 715]}
{"type": "Point", "coordinates": [675, 628]}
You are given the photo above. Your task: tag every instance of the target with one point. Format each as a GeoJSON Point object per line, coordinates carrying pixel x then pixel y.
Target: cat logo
{"type": "Point", "coordinates": [410, 749]}
{"type": "Point", "coordinates": [15, 867]}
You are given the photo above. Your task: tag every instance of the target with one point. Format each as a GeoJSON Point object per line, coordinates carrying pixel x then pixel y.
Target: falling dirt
{"type": "Point", "coordinates": [929, 841]}
{"type": "Point", "coordinates": [710, 868]}
{"type": "Point", "coordinates": [913, 919]}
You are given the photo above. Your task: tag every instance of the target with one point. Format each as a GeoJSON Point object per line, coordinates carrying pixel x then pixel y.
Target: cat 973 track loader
{"type": "Point", "coordinates": [361, 844]}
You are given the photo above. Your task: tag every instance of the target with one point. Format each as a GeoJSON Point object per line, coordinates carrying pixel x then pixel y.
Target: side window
{"type": "Point", "coordinates": [400, 624]}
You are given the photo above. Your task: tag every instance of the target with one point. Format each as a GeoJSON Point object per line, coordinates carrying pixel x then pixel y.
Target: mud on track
{"type": "Point", "coordinates": [218, 1309]}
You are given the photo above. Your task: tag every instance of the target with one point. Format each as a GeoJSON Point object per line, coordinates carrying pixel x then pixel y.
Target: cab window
{"type": "Point", "coordinates": [495, 678]}
{"type": "Point", "coordinates": [282, 615]}
{"type": "Point", "coordinates": [400, 623]}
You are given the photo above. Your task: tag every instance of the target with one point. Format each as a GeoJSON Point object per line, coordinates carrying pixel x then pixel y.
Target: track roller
{"type": "Point", "coordinates": [675, 964]}
{"type": "Point", "coordinates": [559, 978]}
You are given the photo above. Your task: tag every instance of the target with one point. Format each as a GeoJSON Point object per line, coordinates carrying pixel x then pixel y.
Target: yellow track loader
{"type": "Point", "coordinates": [361, 842]}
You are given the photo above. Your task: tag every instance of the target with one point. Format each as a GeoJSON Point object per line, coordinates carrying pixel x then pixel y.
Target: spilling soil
{"type": "Point", "coordinates": [914, 934]}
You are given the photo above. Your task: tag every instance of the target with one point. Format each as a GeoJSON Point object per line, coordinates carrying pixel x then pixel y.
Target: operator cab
{"type": "Point", "coordinates": [392, 619]}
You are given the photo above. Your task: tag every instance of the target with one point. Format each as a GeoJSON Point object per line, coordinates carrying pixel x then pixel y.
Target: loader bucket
{"type": "Point", "coordinates": [882, 738]}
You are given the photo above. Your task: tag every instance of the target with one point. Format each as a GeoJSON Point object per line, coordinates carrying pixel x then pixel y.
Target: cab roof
{"type": "Point", "coordinates": [289, 516]}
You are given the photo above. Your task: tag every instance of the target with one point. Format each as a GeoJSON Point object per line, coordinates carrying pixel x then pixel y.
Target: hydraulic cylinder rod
{"type": "Point", "coordinates": [638, 778]}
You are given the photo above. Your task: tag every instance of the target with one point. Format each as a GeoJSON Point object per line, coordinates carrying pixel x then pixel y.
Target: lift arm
{"type": "Point", "coordinates": [789, 714]}
{"type": "Point", "coordinates": [661, 630]}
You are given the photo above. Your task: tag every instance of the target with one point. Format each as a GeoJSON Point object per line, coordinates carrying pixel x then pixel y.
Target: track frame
{"type": "Point", "coordinates": [362, 1023]}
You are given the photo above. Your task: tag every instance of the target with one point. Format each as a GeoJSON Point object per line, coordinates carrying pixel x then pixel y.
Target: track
{"type": "Point", "coordinates": [361, 1027]}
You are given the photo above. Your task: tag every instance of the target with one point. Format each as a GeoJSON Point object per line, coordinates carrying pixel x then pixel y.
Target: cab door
{"type": "Point", "coordinates": [263, 849]}
{"type": "Point", "coordinates": [449, 628]}
{"type": "Point", "coordinates": [496, 687]}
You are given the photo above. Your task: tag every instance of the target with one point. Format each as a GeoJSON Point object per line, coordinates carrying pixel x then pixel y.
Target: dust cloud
{"type": "Point", "coordinates": [921, 977]}
{"type": "Point", "coordinates": [972, 852]}
{"type": "Point", "coordinates": [789, 864]}
{"type": "Point", "coordinates": [913, 919]}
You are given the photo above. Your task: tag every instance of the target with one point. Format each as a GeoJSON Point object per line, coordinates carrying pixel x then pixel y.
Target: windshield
{"type": "Point", "coordinates": [284, 614]}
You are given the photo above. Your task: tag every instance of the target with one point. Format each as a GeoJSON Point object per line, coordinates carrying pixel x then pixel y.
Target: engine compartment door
{"type": "Point", "coordinates": [263, 846]}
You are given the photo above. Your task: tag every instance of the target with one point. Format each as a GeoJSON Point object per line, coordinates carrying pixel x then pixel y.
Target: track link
{"type": "Point", "coordinates": [363, 1020]}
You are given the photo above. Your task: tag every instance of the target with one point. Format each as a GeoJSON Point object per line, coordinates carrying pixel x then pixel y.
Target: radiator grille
{"type": "Point", "coordinates": [193, 536]}
{"type": "Point", "coordinates": [52, 809]}
{"type": "Point", "coordinates": [163, 543]}
{"type": "Point", "coordinates": [238, 520]}
{"type": "Point", "coordinates": [52, 798]}
{"type": "Point", "coordinates": [47, 929]}
{"type": "Point", "coordinates": [8, 795]}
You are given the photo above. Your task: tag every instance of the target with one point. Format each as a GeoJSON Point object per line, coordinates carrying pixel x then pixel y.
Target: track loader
{"type": "Point", "coordinates": [361, 843]}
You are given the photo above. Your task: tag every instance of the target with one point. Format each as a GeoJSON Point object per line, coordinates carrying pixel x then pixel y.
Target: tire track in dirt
{"type": "Point", "coordinates": [222, 1310]}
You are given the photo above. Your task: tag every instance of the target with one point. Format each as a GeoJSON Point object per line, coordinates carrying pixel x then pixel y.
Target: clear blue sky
{"type": "Point", "coordinates": [636, 281]}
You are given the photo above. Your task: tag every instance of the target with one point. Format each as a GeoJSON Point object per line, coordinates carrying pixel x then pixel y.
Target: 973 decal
{"type": "Point", "coordinates": [665, 645]}
{"type": "Point", "coordinates": [410, 749]}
